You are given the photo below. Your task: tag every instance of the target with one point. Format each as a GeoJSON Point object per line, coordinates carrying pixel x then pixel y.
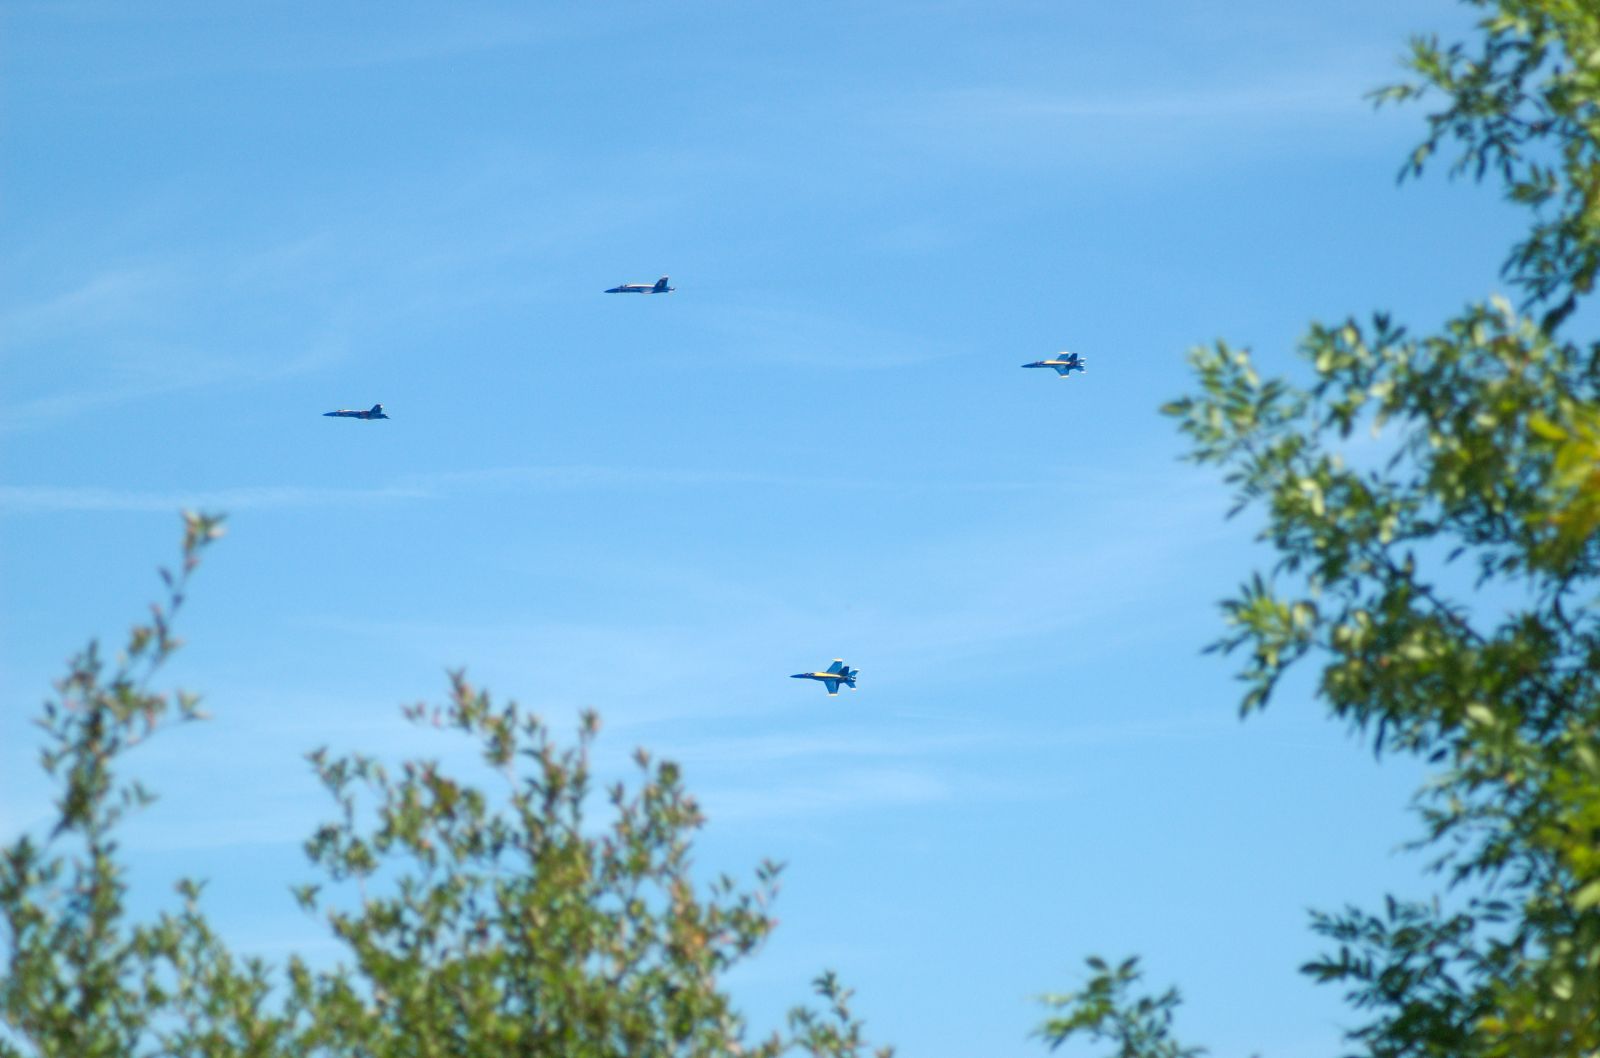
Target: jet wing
{"type": "Point", "coordinates": [838, 665]}
{"type": "Point", "coordinates": [832, 685]}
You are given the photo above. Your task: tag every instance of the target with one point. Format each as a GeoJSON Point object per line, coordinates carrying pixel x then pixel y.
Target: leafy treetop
{"type": "Point", "coordinates": [473, 921]}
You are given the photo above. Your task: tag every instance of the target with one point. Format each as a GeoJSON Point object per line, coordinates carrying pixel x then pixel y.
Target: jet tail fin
{"type": "Point", "coordinates": [661, 285]}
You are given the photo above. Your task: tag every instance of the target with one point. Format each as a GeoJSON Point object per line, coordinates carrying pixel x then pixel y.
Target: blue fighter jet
{"type": "Point", "coordinates": [837, 673]}
{"type": "Point", "coordinates": [375, 412]}
{"type": "Point", "coordinates": [1064, 364]}
{"type": "Point", "coordinates": [658, 287]}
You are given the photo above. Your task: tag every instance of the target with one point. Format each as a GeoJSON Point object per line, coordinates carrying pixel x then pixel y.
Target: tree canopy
{"type": "Point", "coordinates": [1441, 581]}
{"type": "Point", "coordinates": [472, 920]}
{"type": "Point", "coordinates": [1442, 578]}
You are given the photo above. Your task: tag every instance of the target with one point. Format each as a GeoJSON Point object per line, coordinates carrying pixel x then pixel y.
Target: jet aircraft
{"type": "Point", "coordinates": [375, 412]}
{"type": "Point", "coordinates": [837, 673]}
{"type": "Point", "coordinates": [1064, 364]}
{"type": "Point", "coordinates": [658, 287]}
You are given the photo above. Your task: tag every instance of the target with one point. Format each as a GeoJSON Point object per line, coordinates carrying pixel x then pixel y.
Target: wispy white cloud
{"type": "Point", "coordinates": [155, 370]}
{"type": "Point", "coordinates": [192, 318]}
{"type": "Point", "coordinates": [30, 413]}
{"type": "Point", "coordinates": [22, 812]}
{"type": "Point", "coordinates": [136, 332]}
{"type": "Point", "coordinates": [843, 743]}
{"type": "Point", "coordinates": [766, 778]}
{"type": "Point", "coordinates": [803, 334]}
{"type": "Point", "coordinates": [241, 825]}
{"type": "Point", "coordinates": [1106, 121]}
{"type": "Point", "coordinates": [914, 238]}
{"type": "Point", "coordinates": [452, 33]}
{"type": "Point", "coordinates": [38, 499]}
{"type": "Point", "coordinates": [596, 476]}
{"type": "Point", "coordinates": [853, 790]}
{"type": "Point", "coordinates": [112, 294]}
{"type": "Point", "coordinates": [283, 40]}
{"type": "Point", "coordinates": [962, 601]}
{"type": "Point", "coordinates": [44, 499]}
{"type": "Point", "coordinates": [812, 745]}
{"type": "Point", "coordinates": [1283, 99]}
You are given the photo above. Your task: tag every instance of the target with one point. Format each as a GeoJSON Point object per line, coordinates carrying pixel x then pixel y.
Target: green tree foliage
{"type": "Point", "coordinates": [1105, 1010]}
{"type": "Point", "coordinates": [505, 920]}
{"type": "Point", "coordinates": [1443, 579]}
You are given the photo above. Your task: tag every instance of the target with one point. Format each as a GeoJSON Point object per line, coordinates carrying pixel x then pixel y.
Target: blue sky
{"type": "Point", "coordinates": [222, 220]}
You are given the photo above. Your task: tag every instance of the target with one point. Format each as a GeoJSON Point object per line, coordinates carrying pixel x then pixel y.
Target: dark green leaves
{"type": "Point", "coordinates": [1442, 576]}
{"type": "Point", "coordinates": [506, 919]}
{"type": "Point", "coordinates": [1106, 1009]}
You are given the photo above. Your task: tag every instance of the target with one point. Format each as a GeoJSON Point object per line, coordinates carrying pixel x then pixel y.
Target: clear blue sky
{"type": "Point", "coordinates": [221, 220]}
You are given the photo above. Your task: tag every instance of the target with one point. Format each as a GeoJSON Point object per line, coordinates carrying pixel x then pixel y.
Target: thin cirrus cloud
{"type": "Point", "coordinates": [815, 745]}
{"type": "Point", "coordinates": [1282, 100]}
{"type": "Point", "coordinates": [52, 499]}
{"type": "Point", "coordinates": [803, 335]}
{"type": "Point", "coordinates": [135, 371]}
{"type": "Point", "coordinates": [113, 295]}
{"type": "Point", "coordinates": [963, 601]}
{"type": "Point", "coordinates": [822, 795]}
{"type": "Point", "coordinates": [296, 43]}
{"type": "Point", "coordinates": [1050, 125]}
{"type": "Point", "coordinates": [115, 328]}
{"type": "Point", "coordinates": [193, 319]}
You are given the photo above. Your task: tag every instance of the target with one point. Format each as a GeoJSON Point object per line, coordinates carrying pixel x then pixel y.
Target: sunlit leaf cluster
{"type": "Point", "coordinates": [1520, 105]}
{"type": "Point", "coordinates": [1106, 1010]}
{"type": "Point", "coordinates": [504, 918]}
{"type": "Point", "coordinates": [1433, 503]}
{"type": "Point", "coordinates": [522, 912]}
